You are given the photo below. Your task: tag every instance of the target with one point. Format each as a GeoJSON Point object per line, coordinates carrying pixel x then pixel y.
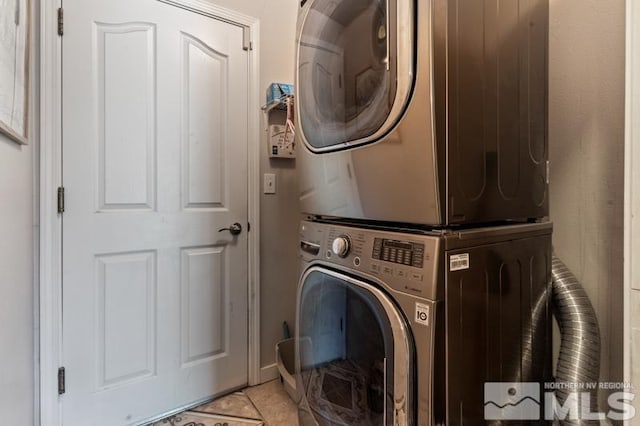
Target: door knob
{"type": "Point", "coordinates": [234, 229]}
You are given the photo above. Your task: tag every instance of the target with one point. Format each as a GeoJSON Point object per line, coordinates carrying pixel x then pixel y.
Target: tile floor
{"type": "Point", "coordinates": [264, 405]}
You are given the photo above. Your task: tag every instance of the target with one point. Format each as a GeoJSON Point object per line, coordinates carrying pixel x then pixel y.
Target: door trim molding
{"type": "Point", "coordinates": [50, 221]}
{"type": "Point", "coordinates": [50, 324]}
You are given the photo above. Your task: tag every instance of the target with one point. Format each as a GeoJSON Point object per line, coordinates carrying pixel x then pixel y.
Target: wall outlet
{"type": "Point", "coordinates": [269, 183]}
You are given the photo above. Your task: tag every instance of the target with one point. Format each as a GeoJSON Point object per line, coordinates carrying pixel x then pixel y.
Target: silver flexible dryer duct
{"type": "Point", "coordinates": [579, 360]}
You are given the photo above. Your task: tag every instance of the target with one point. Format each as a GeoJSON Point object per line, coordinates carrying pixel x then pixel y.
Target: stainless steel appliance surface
{"type": "Point", "coordinates": [404, 328]}
{"type": "Point", "coordinates": [423, 111]}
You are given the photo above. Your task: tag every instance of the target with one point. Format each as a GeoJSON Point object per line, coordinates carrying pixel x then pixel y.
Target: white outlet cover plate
{"type": "Point", "coordinates": [269, 183]}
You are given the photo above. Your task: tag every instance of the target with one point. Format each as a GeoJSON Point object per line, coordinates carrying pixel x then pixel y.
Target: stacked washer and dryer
{"type": "Point", "coordinates": [425, 251]}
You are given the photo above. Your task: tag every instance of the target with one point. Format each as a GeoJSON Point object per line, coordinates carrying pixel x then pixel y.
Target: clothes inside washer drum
{"type": "Point", "coordinates": [338, 392]}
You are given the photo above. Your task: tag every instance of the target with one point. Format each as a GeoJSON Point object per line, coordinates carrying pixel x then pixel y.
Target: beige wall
{"type": "Point", "coordinates": [17, 261]}
{"type": "Point", "coordinates": [16, 283]}
{"type": "Point", "coordinates": [17, 307]}
{"type": "Point", "coordinates": [280, 212]}
{"type": "Point", "coordinates": [632, 205]}
{"type": "Point", "coordinates": [586, 138]}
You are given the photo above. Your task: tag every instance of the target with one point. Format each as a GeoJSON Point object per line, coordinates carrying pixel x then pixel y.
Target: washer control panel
{"type": "Point", "coordinates": [341, 246]}
{"type": "Point", "coordinates": [399, 252]}
{"type": "Point", "coordinates": [401, 261]}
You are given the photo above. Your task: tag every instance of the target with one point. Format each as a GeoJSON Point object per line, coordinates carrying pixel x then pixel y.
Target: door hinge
{"type": "Point", "coordinates": [61, 381]}
{"type": "Point", "coordinates": [247, 44]}
{"type": "Point", "coordinates": [60, 21]}
{"type": "Point", "coordinates": [61, 199]}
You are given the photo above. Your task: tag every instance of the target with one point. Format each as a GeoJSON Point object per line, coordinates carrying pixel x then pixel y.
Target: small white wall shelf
{"type": "Point", "coordinates": [281, 132]}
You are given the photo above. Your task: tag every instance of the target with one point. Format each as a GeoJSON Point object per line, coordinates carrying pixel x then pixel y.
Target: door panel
{"type": "Point", "coordinates": [126, 67]}
{"type": "Point", "coordinates": [126, 317]}
{"type": "Point", "coordinates": [202, 304]}
{"type": "Point", "coordinates": [155, 162]}
{"type": "Point", "coordinates": [204, 73]}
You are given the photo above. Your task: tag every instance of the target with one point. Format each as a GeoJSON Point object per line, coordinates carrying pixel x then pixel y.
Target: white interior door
{"type": "Point", "coordinates": [154, 164]}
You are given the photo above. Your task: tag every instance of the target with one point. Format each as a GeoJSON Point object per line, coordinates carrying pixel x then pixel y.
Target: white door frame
{"type": "Point", "coordinates": [632, 189]}
{"type": "Point", "coordinates": [51, 178]}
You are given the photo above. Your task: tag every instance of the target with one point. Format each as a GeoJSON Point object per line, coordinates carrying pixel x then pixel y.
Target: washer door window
{"type": "Point", "coordinates": [353, 354]}
{"type": "Point", "coordinates": [354, 70]}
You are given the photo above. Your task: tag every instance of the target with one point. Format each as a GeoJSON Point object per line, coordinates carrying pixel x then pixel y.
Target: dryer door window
{"type": "Point", "coordinates": [351, 84]}
{"type": "Point", "coordinates": [353, 354]}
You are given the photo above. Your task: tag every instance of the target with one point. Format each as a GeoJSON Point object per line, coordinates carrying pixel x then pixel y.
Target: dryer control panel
{"type": "Point", "coordinates": [399, 252]}
{"type": "Point", "coordinates": [403, 262]}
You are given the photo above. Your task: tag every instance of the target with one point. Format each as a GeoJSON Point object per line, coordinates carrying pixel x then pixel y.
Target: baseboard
{"type": "Point", "coordinates": [269, 372]}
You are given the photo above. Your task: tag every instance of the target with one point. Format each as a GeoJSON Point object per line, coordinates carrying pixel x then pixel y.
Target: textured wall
{"type": "Point", "coordinates": [17, 308]}
{"type": "Point", "coordinates": [16, 283]}
{"type": "Point", "coordinates": [633, 192]}
{"type": "Point", "coordinates": [586, 137]}
{"type": "Point", "coordinates": [280, 215]}
{"type": "Point", "coordinates": [280, 212]}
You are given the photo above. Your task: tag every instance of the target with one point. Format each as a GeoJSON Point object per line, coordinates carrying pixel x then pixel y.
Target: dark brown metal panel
{"type": "Point", "coordinates": [455, 345]}
{"type": "Point", "coordinates": [498, 323]}
{"type": "Point", "coordinates": [467, 88]}
{"type": "Point", "coordinates": [473, 320]}
{"type": "Point", "coordinates": [541, 337]}
{"type": "Point", "coordinates": [509, 101]}
{"type": "Point", "coordinates": [513, 282]}
{"type": "Point", "coordinates": [439, 374]}
{"type": "Point", "coordinates": [496, 115]}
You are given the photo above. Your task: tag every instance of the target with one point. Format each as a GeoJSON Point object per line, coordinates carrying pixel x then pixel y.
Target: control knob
{"type": "Point", "coordinates": [341, 246]}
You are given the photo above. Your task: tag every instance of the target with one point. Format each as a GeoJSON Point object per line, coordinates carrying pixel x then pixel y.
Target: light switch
{"type": "Point", "coordinates": [269, 183]}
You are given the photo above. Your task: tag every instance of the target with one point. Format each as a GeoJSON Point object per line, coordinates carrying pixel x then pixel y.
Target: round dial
{"type": "Point", "coordinates": [341, 246]}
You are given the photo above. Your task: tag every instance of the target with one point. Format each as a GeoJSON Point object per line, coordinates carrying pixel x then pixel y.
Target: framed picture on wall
{"type": "Point", "coordinates": [14, 69]}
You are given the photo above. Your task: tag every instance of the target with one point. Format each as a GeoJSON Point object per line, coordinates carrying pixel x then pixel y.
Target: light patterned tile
{"type": "Point", "coordinates": [202, 419]}
{"type": "Point", "coordinates": [273, 402]}
{"type": "Point", "coordinates": [235, 405]}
